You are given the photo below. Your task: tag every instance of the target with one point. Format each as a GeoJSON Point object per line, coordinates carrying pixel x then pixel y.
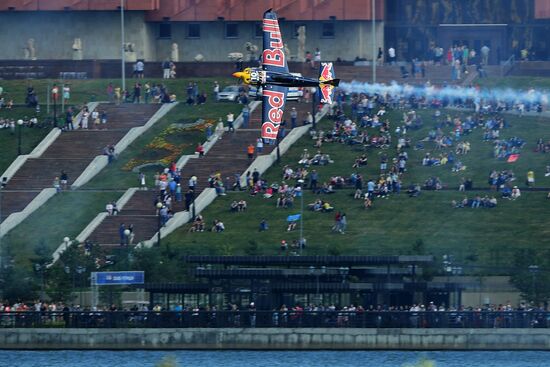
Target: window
{"type": "Point", "coordinates": [327, 30]}
{"type": "Point", "coordinates": [296, 27]}
{"type": "Point", "coordinates": [231, 30]}
{"type": "Point", "coordinates": [165, 30]}
{"type": "Point", "coordinates": [258, 30]}
{"type": "Point", "coordinates": [193, 30]}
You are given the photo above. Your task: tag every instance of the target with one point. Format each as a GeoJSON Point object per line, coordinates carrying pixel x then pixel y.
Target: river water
{"type": "Point", "coordinates": [272, 359]}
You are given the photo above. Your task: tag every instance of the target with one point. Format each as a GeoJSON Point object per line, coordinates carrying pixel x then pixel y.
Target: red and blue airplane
{"type": "Point", "coordinates": [274, 78]}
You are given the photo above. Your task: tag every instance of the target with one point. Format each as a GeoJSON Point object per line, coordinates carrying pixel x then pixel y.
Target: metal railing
{"type": "Point", "coordinates": [507, 66]}
{"type": "Point", "coordinates": [271, 319]}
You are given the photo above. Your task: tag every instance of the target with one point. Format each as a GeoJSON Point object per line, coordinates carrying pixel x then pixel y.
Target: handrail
{"type": "Point", "coordinates": [273, 319]}
{"type": "Point", "coordinates": [507, 66]}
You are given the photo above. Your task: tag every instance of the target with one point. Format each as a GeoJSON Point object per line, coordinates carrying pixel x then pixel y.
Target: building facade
{"type": "Point", "coordinates": [208, 30]}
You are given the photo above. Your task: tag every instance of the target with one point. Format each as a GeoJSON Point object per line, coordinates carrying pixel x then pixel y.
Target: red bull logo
{"type": "Point", "coordinates": [326, 93]}
{"type": "Point", "coordinates": [272, 119]}
{"type": "Point", "coordinates": [326, 72]}
{"type": "Point", "coordinates": [273, 56]}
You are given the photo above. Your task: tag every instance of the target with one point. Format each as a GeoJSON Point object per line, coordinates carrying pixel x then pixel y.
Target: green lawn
{"type": "Point", "coordinates": [65, 214]}
{"type": "Point", "coordinates": [390, 228]}
{"type": "Point", "coordinates": [515, 82]}
{"type": "Point", "coordinates": [9, 143]}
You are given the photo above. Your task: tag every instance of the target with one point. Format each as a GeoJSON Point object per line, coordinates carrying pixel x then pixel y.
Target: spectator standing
{"type": "Point", "coordinates": [140, 69]}
{"type": "Point", "coordinates": [485, 54]}
{"type": "Point", "coordinates": [260, 145]}
{"type": "Point", "coordinates": [166, 69]}
{"type": "Point", "coordinates": [293, 117]}
{"type": "Point", "coordinates": [66, 93]}
{"type": "Point", "coordinates": [230, 121]}
{"type": "Point", "coordinates": [250, 151]}
{"type": "Point", "coordinates": [391, 55]}
{"type": "Point", "coordinates": [530, 178]}
{"type": "Point", "coordinates": [246, 116]}
{"type": "Point", "coordinates": [216, 90]}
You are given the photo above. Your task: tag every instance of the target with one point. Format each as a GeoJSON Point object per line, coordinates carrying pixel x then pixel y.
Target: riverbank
{"type": "Point", "coordinates": [276, 339]}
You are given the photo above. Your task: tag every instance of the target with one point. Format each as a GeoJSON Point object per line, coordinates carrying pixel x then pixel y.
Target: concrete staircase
{"type": "Point", "coordinates": [72, 151]}
{"type": "Point", "coordinates": [228, 156]}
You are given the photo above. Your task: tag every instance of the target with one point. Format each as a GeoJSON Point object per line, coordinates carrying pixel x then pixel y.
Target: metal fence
{"type": "Point", "coordinates": [264, 319]}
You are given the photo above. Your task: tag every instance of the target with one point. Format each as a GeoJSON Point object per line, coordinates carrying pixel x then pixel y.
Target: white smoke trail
{"type": "Point", "coordinates": [395, 89]}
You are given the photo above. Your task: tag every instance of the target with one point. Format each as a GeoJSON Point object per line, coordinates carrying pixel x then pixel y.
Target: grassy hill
{"type": "Point", "coordinates": [481, 236]}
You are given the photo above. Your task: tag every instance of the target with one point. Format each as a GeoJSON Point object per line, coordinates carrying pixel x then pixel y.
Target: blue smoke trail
{"type": "Point", "coordinates": [395, 89]}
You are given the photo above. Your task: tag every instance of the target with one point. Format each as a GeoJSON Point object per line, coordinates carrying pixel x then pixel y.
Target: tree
{"type": "Point", "coordinates": [532, 274]}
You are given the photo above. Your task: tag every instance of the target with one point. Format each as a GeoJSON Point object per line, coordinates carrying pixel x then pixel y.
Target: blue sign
{"type": "Point", "coordinates": [118, 277]}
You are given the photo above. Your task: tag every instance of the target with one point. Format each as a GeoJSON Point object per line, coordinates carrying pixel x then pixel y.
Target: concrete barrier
{"type": "Point", "coordinates": [278, 339]}
{"type": "Point", "coordinates": [15, 219]}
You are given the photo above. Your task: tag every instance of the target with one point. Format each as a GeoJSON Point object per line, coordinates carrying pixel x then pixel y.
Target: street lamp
{"type": "Point", "coordinates": [313, 107]}
{"type": "Point", "coordinates": [159, 207]}
{"type": "Point", "coordinates": [534, 269]}
{"type": "Point", "coordinates": [317, 272]}
{"type": "Point", "coordinates": [123, 58]}
{"type": "Point", "coordinates": [301, 193]}
{"type": "Point", "coordinates": [193, 203]}
{"type": "Point", "coordinates": [3, 184]}
{"type": "Point", "coordinates": [20, 124]}
{"type": "Point", "coordinates": [40, 268]}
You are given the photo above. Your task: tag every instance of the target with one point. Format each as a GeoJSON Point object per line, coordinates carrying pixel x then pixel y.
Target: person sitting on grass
{"type": "Point", "coordinates": [327, 207]}
{"type": "Point", "coordinates": [291, 226]}
{"type": "Point", "coordinates": [316, 206]}
{"type": "Point", "coordinates": [263, 225]}
{"type": "Point", "coordinates": [516, 193]}
{"type": "Point", "coordinates": [360, 161]}
{"type": "Point", "coordinates": [234, 206]}
{"type": "Point", "coordinates": [198, 224]}
{"type": "Point", "coordinates": [241, 205]}
{"type": "Point", "coordinates": [367, 204]}
{"type": "Point", "coordinates": [217, 226]}
{"type": "Point", "coordinates": [414, 190]}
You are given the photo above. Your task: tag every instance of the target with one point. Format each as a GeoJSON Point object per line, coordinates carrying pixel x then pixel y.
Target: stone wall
{"type": "Point", "coordinates": [277, 338]}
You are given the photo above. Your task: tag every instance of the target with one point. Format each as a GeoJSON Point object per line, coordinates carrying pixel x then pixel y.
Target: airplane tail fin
{"type": "Point", "coordinates": [327, 82]}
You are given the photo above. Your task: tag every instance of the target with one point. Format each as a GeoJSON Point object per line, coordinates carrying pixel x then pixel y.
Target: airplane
{"type": "Point", "coordinates": [275, 79]}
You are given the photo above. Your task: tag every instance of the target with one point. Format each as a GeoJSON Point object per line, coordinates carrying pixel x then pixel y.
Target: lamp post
{"type": "Point", "coordinates": [193, 204]}
{"type": "Point", "coordinates": [278, 151]}
{"type": "Point", "coordinates": [40, 268]}
{"type": "Point", "coordinates": [374, 55]}
{"type": "Point", "coordinates": [55, 95]}
{"type": "Point", "coordinates": [534, 269]}
{"type": "Point", "coordinates": [313, 105]}
{"type": "Point", "coordinates": [3, 184]}
{"type": "Point", "coordinates": [20, 126]}
{"type": "Point", "coordinates": [159, 207]}
{"type": "Point", "coordinates": [317, 272]}
{"type": "Point", "coordinates": [123, 58]}
{"type": "Point", "coordinates": [301, 192]}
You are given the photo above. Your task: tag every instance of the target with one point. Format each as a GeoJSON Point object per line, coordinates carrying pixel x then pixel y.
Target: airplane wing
{"type": "Point", "coordinates": [273, 104]}
{"type": "Point", "coordinates": [273, 59]}
{"type": "Point", "coordinates": [273, 56]}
